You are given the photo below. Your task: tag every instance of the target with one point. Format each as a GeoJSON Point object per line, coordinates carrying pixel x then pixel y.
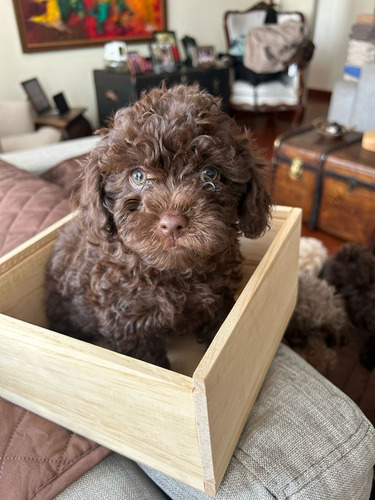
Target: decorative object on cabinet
{"type": "Point", "coordinates": [115, 55]}
{"type": "Point", "coordinates": [203, 56]}
{"type": "Point", "coordinates": [189, 43]}
{"type": "Point", "coordinates": [49, 26]}
{"type": "Point", "coordinates": [162, 57]}
{"type": "Point", "coordinates": [136, 63]}
{"type": "Point", "coordinates": [165, 37]}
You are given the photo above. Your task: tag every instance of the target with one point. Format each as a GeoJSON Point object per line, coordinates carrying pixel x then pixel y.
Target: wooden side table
{"type": "Point", "coordinates": [72, 123]}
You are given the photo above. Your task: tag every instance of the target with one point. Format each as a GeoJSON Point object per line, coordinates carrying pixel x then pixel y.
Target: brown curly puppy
{"type": "Point", "coordinates": [160, 205]}
{"type": "Point", "coordinates": [351, 270]}
{"type": "Point", "coordinates": [317, 323]}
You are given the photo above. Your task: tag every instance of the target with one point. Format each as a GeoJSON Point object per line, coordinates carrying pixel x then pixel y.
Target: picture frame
{"type": "Point", "coordinates": [162, 57]}
{"type": "Point", "coordinates": [36, 96]}
{"type": "Point", "coordinates": [80, 25]}
{"type": "Point", "coordinates": [203, 56]}
{"type": "Point", "coordinates": [168, 37]}
{"type": "Point", "coordinates": [188, 43]}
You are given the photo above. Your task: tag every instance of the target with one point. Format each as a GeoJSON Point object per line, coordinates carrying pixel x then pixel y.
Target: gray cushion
{"type": "Point", "coordinates": [304, 440]}
{"type": "Point", "coordinates": [116, 477]}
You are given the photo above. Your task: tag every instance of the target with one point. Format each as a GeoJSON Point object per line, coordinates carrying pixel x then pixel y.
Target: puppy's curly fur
{"type": "Point", "coordinates": [153, 249]}
{"type": "Point", "coordinates": [351, 270]}
{"type": "Point", "coordinates": [317, 322]}
{"type": "Point", "coordinates": [312, 255]}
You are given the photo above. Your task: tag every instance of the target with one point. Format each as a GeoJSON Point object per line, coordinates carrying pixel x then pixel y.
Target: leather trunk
{"type": "Point", "coordinates": [331, 179]}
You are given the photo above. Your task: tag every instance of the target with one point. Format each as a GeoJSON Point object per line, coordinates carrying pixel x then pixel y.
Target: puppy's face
{"type": "Point", "coordinates": [175, 178]}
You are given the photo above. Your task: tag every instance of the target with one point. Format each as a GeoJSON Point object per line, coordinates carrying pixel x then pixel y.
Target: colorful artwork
{"type": "Point", "coordinates": [61, 24]}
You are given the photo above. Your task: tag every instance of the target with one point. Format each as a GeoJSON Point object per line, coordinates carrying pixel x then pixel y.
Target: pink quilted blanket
{"type": "Point", "coordinates": [38, 459]}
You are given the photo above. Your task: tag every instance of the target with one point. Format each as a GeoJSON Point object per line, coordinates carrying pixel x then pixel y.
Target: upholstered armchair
{"type": "Point", "coordinates": [17, 129]}
{"type": "Point", "coordinates": [279, 90]}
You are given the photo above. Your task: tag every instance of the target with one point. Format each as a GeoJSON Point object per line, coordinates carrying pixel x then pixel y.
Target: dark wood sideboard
{"type": "Point", "coordinates": [115, 90]}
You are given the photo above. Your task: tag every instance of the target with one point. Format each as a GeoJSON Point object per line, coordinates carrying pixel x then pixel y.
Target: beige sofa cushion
{"type": "Point", "coordinates": [15, 118]}
{"type": "Point", "coordinates": [34, 139]}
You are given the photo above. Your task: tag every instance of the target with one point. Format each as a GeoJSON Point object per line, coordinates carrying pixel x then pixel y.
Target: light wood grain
{"type": "Point", "coordinates": [230, 375]}
{"type": "Point", "coordinates": [186, 426]}
{"type": "Point", "coordinates": [22, 276]}
{"type": "Point", "coordinates": [134, 408]}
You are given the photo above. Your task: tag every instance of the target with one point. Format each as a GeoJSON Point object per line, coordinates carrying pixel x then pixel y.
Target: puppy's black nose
{"type": "Point", "coordinates": [172, 224]}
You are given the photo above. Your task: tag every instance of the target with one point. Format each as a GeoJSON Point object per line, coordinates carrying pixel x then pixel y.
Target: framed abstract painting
{"type": "Point", "coordinates": [64, 24]}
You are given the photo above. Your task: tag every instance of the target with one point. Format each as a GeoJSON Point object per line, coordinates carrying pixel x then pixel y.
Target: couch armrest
{"type": "Point", "coordinates": [34, 139]}
{"type": "Point", "coordinates": [38, 160]}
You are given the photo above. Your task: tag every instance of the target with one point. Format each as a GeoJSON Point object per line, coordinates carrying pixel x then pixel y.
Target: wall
{"type": "Point", "coordinates": [333, 22]}
{"type": "Point", "coordinates": [70, 71]}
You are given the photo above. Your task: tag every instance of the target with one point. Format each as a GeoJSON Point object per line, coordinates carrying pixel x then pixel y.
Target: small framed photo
{"type": "Point", "coordinates": [203, 56]}
{"type": "Point", "coordinates": [164, 37]}
{"type": "Point", "coordinates": [189, 43]}
{"type": "Point", "coordinates": [162, 57]}
{"type": "Point", "coordinates": [135, 63]}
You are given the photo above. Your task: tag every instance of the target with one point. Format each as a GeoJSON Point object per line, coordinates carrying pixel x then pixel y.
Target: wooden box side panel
{"type": "Point", "coordinates": [139, 410]}
{"type": "Point", "coordinates": [226, 391]}
{"type": "Point", "coordinates": [21, 279]}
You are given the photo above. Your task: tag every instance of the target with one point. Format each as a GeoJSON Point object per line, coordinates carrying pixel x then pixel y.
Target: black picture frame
{"type": "Point", "coordinates": [189, 44]}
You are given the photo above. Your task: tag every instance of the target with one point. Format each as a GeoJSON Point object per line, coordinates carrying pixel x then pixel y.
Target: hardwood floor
{"type": "Point", "coordinates": [265, 127]}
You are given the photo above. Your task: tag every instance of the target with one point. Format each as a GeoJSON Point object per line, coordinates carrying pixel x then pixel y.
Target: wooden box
{"type": "Point", "coordinates": [184, 422]}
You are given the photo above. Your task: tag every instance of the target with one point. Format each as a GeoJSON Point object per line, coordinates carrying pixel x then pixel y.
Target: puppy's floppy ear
{"type": "Point", "coordinates": [254, 209]}
{"type": "Point", "coordinates": [88, 199]}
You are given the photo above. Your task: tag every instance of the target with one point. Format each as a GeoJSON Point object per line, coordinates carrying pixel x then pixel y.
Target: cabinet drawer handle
{"type": "Point", "coordinates": [216, 83]}
{"type": "Point", "coordinates": [111, 96]}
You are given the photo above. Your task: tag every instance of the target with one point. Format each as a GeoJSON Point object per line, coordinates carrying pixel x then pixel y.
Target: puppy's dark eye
{"type": "Point", "coordinates": [210, 173]}
{"type": "Point", "coordinates": [138, 178]}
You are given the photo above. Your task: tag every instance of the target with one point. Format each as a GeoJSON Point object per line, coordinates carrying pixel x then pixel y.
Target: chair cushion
{"type": "Point", "coordinates": [28, 204]}
{"type": "Point", "coordinates": [273, 93]}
